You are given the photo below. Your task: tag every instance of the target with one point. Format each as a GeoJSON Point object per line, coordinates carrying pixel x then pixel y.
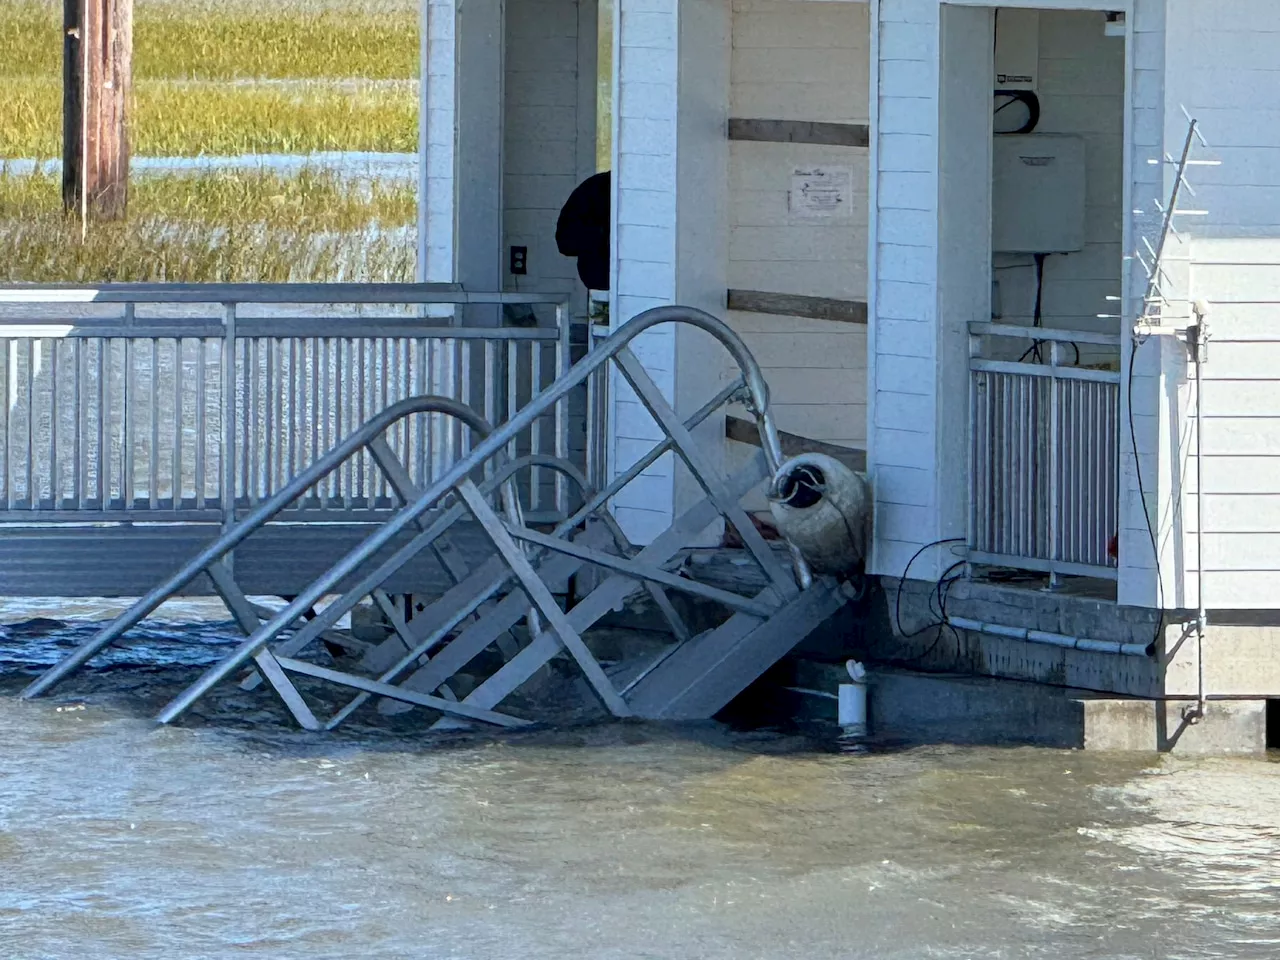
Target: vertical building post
{"type": "Point", "coordinates": [97, 62]}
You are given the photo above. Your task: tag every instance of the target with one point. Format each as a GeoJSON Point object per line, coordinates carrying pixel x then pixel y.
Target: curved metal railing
{"type": "Point", "coordinates": [262, 514]}
{"type": "Point", "coordinates": [455, 478]}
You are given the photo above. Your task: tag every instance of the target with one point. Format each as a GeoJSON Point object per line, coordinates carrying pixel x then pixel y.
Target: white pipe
{"type": "Point", "coordinates": [1051, 639]}
{"type": "Point", "coordinates": [853, 702]}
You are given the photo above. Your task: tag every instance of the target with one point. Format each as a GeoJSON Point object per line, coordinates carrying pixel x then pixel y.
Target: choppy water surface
{"type": "Point", "coordinates": [235, 836]}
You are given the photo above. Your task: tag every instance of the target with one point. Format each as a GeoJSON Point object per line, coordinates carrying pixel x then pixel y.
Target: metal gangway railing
{"type": "Point", "coordinates": [182, 407]}
{"type": "Point", "coordinates": [692, 676]}
{"type": "Point", "coordinates": [1044, 449]}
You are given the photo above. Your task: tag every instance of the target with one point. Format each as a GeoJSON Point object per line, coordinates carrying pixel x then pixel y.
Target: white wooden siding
{"type": "Point", "coordinates": [544, 123]}
{"type": "Point", "coordinates": [801, 61]}
{"type": "Point", "coordinates": [1234, 254]}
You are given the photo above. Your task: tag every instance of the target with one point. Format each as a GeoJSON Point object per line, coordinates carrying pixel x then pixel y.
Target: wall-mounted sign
{"type": "Point", "coordinates": [821, 193]}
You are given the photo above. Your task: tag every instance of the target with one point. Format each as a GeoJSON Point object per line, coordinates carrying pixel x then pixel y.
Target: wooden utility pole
{"type": "Point", "coordinates": [97, 63]}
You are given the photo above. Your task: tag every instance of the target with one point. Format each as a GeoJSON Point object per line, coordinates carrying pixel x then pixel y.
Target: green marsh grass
{"type": "Point", "coordinates": [231, 39]}
{"type": "Point", "coordinates": [174, 118]}
{"type": "Point", "coordinates": [214, 227]}
{"type": "Point", "coordinates": [230, 77]}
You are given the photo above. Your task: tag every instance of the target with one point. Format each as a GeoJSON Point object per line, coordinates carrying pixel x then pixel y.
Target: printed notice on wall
{"type": "Point", "coordinates": [820, 193]}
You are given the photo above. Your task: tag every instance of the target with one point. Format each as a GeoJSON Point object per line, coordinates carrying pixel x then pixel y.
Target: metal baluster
{"type": "Point", "coordinates": [202, 421]}
{"type": "Point", "coordinates": [452, 430]}
{"type": "Point", "coordinates": [535, 428]}
{"type": "Point", "coordinates": [346, 385]}
{"type": "Point", "coordinates": [362, 414]}
{"type": "Point", "coordinates": [7, 360]}
{"type": "Point", "coordinates": [179, 415]}
{"type": "Point", "coordinates": [80, 480]}
{"type": "Point", "coordinates": [513, 401]}
{"type": "Point", "coordinates": [128, 395]}
{"type": "Point", "coordinates": [53, 422]}
{"type": "Point", "coordinates": [153, 458]}
{"type": "Point", "coordinates": [104, 424]}
{"type": "Point", "coordinates": [465, 392]}
{"type": "Point", "coordinates": [30, 448]}
{"type": "Point", "coordinates": [324, 491]}
{"type": "Point", "coordinates": [422, 422]}
{"type": "Point", "coordinates": [228, 454]}
{"type": "Point", "coordinates": [313, 404]}
{"type": "Point", "coordinates": [297, 404]}
{"type": "Point", "coordinates": [270, 420]}
{"type": "Point", "coordinates": [564, 359]}
{"type": "Point", "coordinates": [490, 391]}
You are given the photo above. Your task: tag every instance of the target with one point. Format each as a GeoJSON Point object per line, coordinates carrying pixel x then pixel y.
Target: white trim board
{"type": "Point", "coordinates": [1117, 6]}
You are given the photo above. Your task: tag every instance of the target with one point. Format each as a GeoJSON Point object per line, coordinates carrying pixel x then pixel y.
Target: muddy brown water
{"type": "Point", "coordinates": [234, 835]}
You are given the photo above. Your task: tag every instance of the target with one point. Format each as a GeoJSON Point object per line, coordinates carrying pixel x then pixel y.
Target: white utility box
{"type": "Point", "coordinates": [1017, 55]}
{"type": "Point", "coordinates": [1038, 194]}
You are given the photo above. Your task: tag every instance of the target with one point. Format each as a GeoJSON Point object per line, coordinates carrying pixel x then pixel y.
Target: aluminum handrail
{"type": "Point", "coordinates": [614, 344]}
{"type": "Point", "coordinates": [454, 478]}
{"type": "Point", "coordinates": [265, 293]}
{"type": "Point", "coordinates": [331, 614]}
{"type": "Point", "coordinates": [250, 380]}
{"type": "Point", "coordinates": [262, 514]}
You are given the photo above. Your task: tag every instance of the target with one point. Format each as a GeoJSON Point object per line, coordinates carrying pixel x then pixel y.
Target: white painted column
{"type": "Point", "coordinates": [902, 351]}
{"type": "Point", "coordinates": [481, 70]}
{"type": "Point", "coordinates": [437, 151]}
{"type": "Point", "coordinates": [1144, 417]}
{"type": "Point", "coordinates": [670, 225]}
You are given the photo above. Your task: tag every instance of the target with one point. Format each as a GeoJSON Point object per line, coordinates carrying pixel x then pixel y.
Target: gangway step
{"type": "Point", "coordinates": [698, 678]}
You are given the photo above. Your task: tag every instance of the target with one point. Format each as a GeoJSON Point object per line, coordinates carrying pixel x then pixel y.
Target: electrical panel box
{"type": "Point", "coordinates": [1038, 194]}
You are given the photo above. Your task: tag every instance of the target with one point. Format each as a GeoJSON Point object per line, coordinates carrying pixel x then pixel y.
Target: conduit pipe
{"type": "Point", "coordinates": [1052, 639]}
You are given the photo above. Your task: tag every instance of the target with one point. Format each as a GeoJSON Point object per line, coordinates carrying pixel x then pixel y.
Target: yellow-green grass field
{"type": "Point", "coordinates": [229, 78]}
{"type": "Point", "coordinates": [222, 78]}
{"type": "Point", "coordinates": [213, 226]}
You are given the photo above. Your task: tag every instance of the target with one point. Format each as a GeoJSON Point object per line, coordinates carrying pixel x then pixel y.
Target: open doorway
{"type": "Point", "coordinates": [1043, 331]}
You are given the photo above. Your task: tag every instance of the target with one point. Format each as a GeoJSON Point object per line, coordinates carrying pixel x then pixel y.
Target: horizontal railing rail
{"type": "Point", "coordinates": [1044, 452]}
{"type": "Point", "coordinates": [193, 403]}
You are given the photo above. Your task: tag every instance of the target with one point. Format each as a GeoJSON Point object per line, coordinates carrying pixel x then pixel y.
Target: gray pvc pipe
{"type": "Point", "coordinates": [1045, 638]}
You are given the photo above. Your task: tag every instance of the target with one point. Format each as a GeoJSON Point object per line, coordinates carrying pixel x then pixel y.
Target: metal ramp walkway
{"type": "Point", "coordinates": [506, 604]}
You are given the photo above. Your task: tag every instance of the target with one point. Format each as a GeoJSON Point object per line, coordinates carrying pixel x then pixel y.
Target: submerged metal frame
{"type": "Point", "coordinates": [526, 557]}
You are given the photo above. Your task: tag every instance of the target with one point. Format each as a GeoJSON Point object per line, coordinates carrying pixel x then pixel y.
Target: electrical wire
{"type": "Point", "coordinates": [1142, 496]}
{"type": "Point", "coordinates": [1028, 99]}
{"type": "Point", "coordinates": [897, 602]}
{"type": "Point", "coordinates": [1037, 318]}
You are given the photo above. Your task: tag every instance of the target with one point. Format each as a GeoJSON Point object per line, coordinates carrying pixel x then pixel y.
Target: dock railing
{"type": "Point", "coordinates": [193, 403]}
{"type": "Point", "coordinates": [1044, 449]}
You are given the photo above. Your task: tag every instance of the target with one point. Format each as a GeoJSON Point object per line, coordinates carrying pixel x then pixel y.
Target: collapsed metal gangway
{"type": "Point", "coordinates": [693, 676]}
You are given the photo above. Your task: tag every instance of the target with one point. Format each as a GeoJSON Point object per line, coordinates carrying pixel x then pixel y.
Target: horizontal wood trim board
{"type": "Point", "coordinates": [744, 431]}
{"type": "Point", "coordinates": [795, 305]}
{"type": "Point", "coordinates": [800, 131]}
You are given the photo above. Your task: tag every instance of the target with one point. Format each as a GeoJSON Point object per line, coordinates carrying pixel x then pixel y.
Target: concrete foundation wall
{"type": "Point", "coordinates": [906, 708]}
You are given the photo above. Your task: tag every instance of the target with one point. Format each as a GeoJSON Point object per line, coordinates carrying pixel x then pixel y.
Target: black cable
{"type": "Point", "coordinates": [1027, 98]}
{"type": "Point", "coordinates": [1142, 496]}
{"type": "Point", "coordinates": [1037, 318]}
{"type": "Point", "coordinates": [897, 603]}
